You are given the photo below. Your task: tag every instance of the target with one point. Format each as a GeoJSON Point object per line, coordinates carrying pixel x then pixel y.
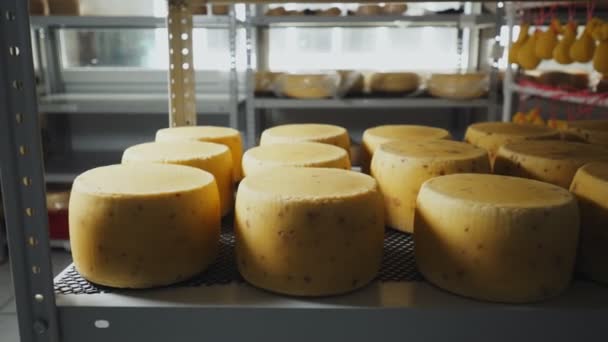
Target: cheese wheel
{"type": "Point", "coordinates": [211, 157]}
{"type": "Point", "coordinates": [458, 86]}
{"type": "Point", "coordinates": [553, 162]}
{"type": "Point", "coordinates": [303, 154]}
{"type": "Point", "coordinates": [496, 238]}
{"type": "Point", "coordinates": [590, 131]}
{"type": "Point", "coordinates": [327, 134]}
{"type": "Point", "coordinates": [394, 82]}
{"type": "Point", "coordinates": [143, 225]}
{"type": "Point", "coordinates": [221, 135]}
{"type": "Point", "coordinates": [491, 135]}
{"type": "Point", "coordinates": [376, 136]}
{"type": "Point", "coordinates": [309, 231]}
{"type": "Point", "coordinates": [400, 167]}
{"type": "Point", "coordinates": [590, 185]}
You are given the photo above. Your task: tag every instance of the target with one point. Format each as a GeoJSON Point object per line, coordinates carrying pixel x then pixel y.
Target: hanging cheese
{"type": "Point", "coordinates": [526, 57]}
{"type": "Point", "coordinates": [583, 48]}
{"type": "Point", "coordinates": [211, 157]}
{"type": "Point", "coordinates": [326, 134]}
{"type": "Point", "coordinates": [302, 154]}
{"type": "Point", "coordinates": [309, 231]}
{"type": "Point", "coordinates": [221, 135]}
{"type": "Point", "coordinates": [144, 224]}
{"type": "Point", "coordinates": [600, 57]}
{"type": "Point", "coordinates": [517, 45]}
{"type": "Point", "coordinates": [496, 238]}
{"type": "Point", "coordinates": [553, 162]}
{"type": "Point", "coordinates": [546, 41]}
{"type": "Point", "coordinates": [561, 53]}
{"type": "Point", "coordinates": [590, 185]}
{"type": "Point", "coordinates": [400, 167]}
{"type": "Point", "coordinates": [376, 136]}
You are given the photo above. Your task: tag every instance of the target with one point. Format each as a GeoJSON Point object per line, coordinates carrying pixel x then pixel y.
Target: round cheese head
{"type": "Point", "coordinates": [590, 185]}
{"type": "Point", "coordinates": [376, 136]}
{"type": "Point", "coordinates": [309, 231]}
{"type": "Point", "coordinates": [211, 157]}
{"type": "Point", "coordinates": [491, 135]}
{"type": "Point", "coordinates": [303, 154]}
{"type": "Point", "coordinates": [143, 225]}
{"type": "Point", "coordinates": [496, 238]}
{"type": "Point", "coordinates": [553, 162]}
{"type": "Point", "coordinates": [221, 135]}
{"type": "Point", "coordinates": [394, 82]}
{"type": "Point", "coordinates": [400, 167]}
{"type": "Point", "coordinates": [590, 131]}
{"type": "Point", "coordinates": [327, 134]}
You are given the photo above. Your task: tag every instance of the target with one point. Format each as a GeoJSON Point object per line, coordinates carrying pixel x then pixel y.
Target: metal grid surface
{"type": "Point", "coordinates": [398, 265]}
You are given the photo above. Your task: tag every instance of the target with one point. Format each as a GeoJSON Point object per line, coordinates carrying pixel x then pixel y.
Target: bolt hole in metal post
{"type": "Point", "coordinates": [102, 324]}
{"type": "Point", "coordinates": [36, 269]}
{"type": "Point", "coordinates": [32, 241]}
{"type": "Point", "coordinates": [39, 298]}
{"type": "Point", "coordinates": [14, 51]}
{"type": "Point", "coordinates": [10, 16]}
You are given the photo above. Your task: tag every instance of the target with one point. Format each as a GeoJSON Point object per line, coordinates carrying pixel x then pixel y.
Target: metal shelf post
{"type": "Point", "coordinates": [22, 178]}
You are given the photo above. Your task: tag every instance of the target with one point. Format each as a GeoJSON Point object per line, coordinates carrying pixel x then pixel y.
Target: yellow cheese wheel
{"type": "Point", "coordinates": [144, 224]}
{"type": "Point", "coordinates": [303, 154]}
{"type": "Point", "coordinates": [211, 157]}
{"type": "Point", "coordinates": [590, 131]}
{"type": "Point", "coordinates": [376, 136]}
{"type": "Point", "coordinates": [400, 167]}
{"type": "Point", "coordinates": [309, 231]}
{"type": "Point", "coordinates": [322, 133]}
{"type": "Point", "coordinates": [496, 238]}
{"type": "Point", "coordinates": [221, 135]}
{"type": "Point", "coordinates": [590, 185]}
{"type": "Point", "coordinates": [491, 135]}
{"type": "Point", "coordinates": [553, 162]}
{"type": "Point", "coordinates": [308, 86]}
{"type": "Point", "coordinates": [394, 82]}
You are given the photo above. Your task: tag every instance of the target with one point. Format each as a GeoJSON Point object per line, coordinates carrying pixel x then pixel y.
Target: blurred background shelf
{"type": "Point", "coordinates": [54, 21]}
{"type": "Point", "coordinates": [281, 103]}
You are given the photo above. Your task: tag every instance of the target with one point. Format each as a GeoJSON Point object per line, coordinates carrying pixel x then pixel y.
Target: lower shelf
{"type": "Point", "coordinates": [398, 306]}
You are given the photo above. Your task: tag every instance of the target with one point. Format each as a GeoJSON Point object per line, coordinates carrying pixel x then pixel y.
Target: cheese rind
{"type": "Point", "coordinates": [211, 157]}
{"type": "Point", "coordinates": [492, 135]}
{"type": "Point", "coordinates": [401, 167]}
{"type": "Point", "coordinates": [304, 154]}
{"type": "Point", "coordinates": [590, 185]}
{"type": "Point", "coordinates": [496, 238]}
{"type": "Point", "coordinates": [143, 225]}
{"type": "Point", "coordinates": [553, 162]}
{"type": "Point", "coordinates": [376, 136]}
{"type": "Point", "coordinates": [309, 231]}
{"type": "Point", "coordinates": [590, 131]}
{"type": "Point", "coordinates": [221, 135]}
{"type": "Point", "coordinates": [321, 133]}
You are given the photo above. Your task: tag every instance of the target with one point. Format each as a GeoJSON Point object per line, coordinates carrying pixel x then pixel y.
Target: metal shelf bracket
{"type": "Point", "coordinates": [22, 178]}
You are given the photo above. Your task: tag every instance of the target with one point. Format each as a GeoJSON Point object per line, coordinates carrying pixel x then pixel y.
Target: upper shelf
{"type": "Point", "coordinates": [55, 21]}
{"type": "Point", "coordinates": [598, 100]}
{"type": "Point", "coordinates": [460, 20]}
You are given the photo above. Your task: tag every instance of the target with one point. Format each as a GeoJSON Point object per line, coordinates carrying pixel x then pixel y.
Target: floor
{"type": "Point", "coordinates": [9, 331]}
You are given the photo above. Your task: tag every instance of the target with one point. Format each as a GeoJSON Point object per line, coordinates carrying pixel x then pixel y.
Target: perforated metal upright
{"type": "Point", "coordinates": [23, 178]}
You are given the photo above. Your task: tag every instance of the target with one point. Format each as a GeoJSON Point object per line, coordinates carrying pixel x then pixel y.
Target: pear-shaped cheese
{"type": "Point", "coordinates": [583, 48]}
{"type": "Point", "coordinates": [516, 46]}
{"type": "Point", "coordinates": [546, 42]}
{"type": "Point", "coordinates": [527, 57]}
{"type": "Point", "coordinates": [561, 53]}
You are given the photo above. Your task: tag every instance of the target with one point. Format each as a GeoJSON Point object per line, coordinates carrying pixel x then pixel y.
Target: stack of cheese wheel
{"type": "Point", "coordinates": [553, 162]}
{"type": "Point", "coordinates": [376, 136]}
{"type": "Point", "coordinates": [326, 134]}
{"type": "Point", "coordinates": [496, 238]}
{"type": "Point", "coordinates": [309, 231]}
{"type": "Point", "coordinates": [590, 185]}
{"type": "Point", "coordinates": [211, 157]}
{"type": "Point", "coordinates": [590, 131]}
{"type": "Point", "coordinates": [400, 167]}
{"type": "Point", "coordinates": [221, 135]}
{"type": "Point", "coordinates": [491, 135]}
{"type": "Point", "coordinates": [302, 154]}
{"type": "Point", "coordinates": [144, 224]}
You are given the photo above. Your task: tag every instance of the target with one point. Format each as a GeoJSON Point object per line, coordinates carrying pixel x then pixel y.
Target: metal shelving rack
{"type": "Point", "coordinates": [256, 106]}
{"type": "Point", "coordinates": [511, 88]}
{"type": "Point", "coordinates": [56, 101]}
{"type": "Point", "coordinates": [392, 311]}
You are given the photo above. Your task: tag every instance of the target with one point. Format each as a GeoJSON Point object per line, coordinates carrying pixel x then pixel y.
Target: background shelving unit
{"type": "Point", "coordinates": [256, 22]}
{"type": "Point", "coordinates": [411, 310]}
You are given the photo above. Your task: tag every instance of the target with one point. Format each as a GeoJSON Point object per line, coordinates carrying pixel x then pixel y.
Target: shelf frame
{"type": "Point", "coordinates": [359, 103]}
{"type": "Point", "coordinates": [74, 22]}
